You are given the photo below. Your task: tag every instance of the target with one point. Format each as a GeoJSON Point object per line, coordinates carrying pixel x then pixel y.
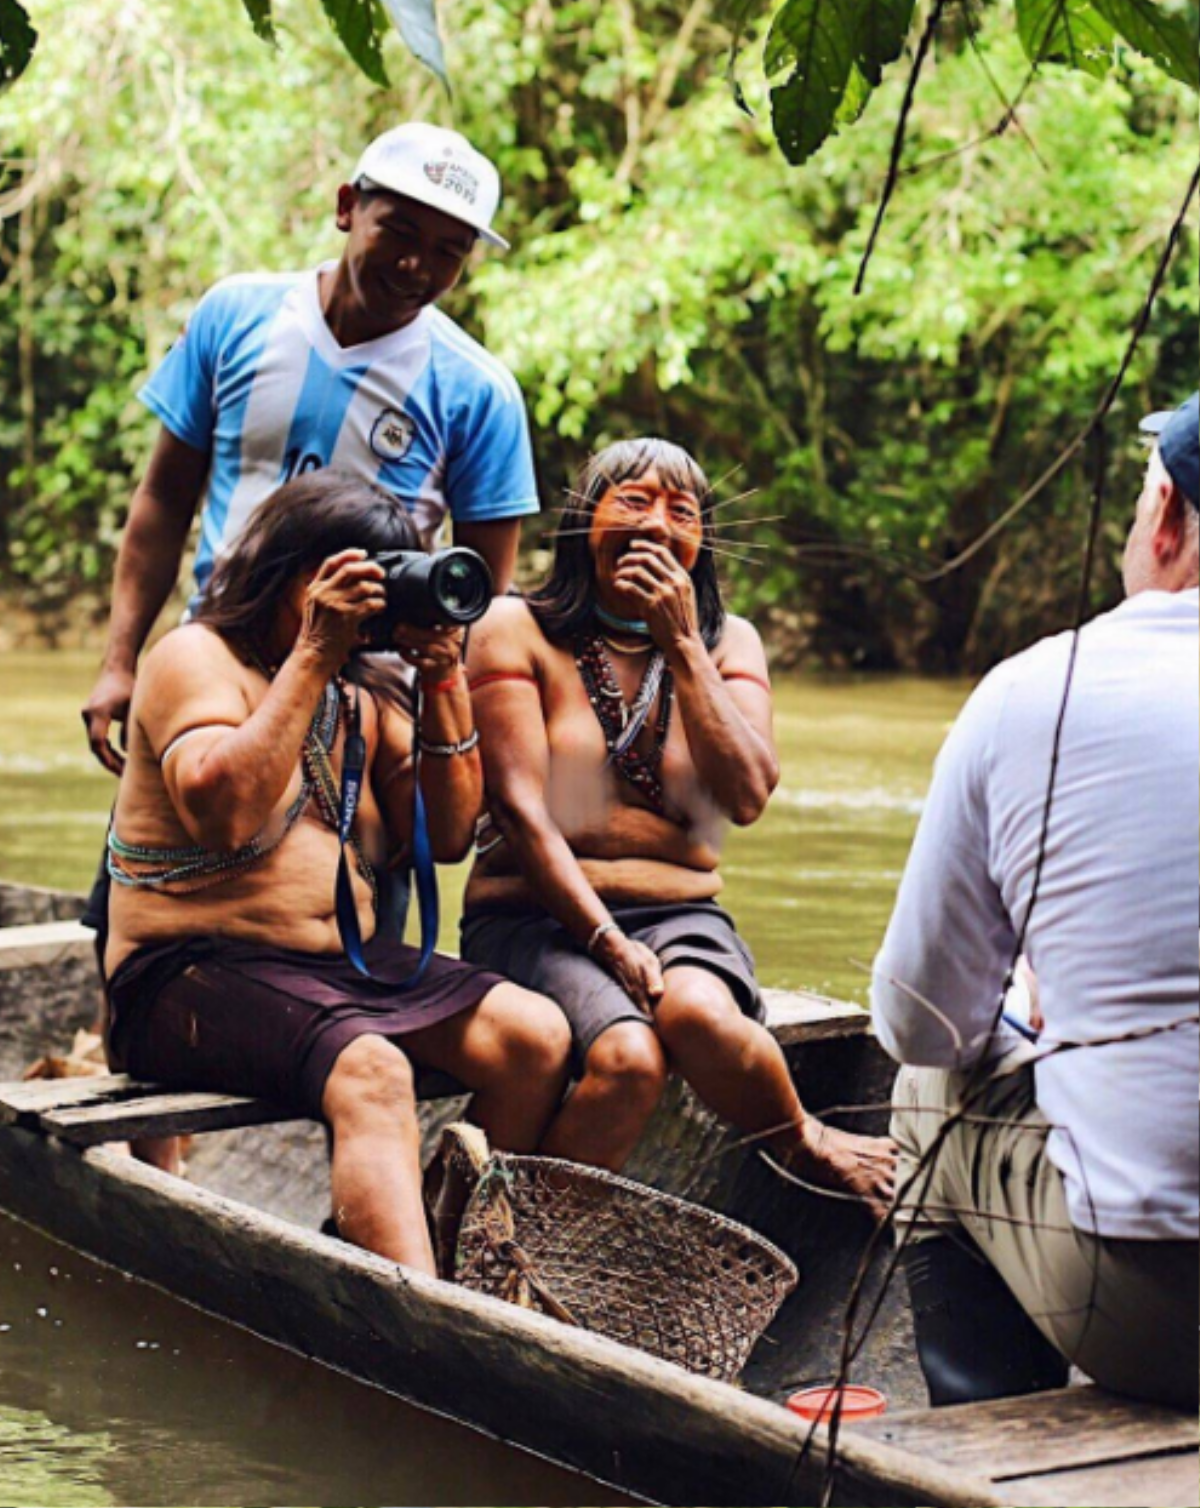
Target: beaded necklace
{"type": "Point", "coordinates": [621, 722]}
{"type": "Point", "coordinates": [627, 651]}
{"type": "Point", "coordinates": [184, 871]}
{"type": "Point", "coordinates": [622, 625]}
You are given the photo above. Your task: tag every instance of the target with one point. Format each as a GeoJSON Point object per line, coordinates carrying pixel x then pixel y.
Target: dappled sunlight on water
{"type": "Point", "coordinates": [48, 1464]}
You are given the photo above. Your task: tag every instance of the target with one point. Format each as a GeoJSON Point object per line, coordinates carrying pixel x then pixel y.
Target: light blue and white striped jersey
{"type": "Point", "coordinates": [258, 379]}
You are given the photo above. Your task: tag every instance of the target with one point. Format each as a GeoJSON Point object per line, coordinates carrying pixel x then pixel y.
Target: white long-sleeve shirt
{"type": "Point", "coordinates": [1113, 938]}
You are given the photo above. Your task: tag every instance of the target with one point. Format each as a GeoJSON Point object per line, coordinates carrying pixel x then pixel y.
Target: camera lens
{"type": "Point", "coordinates": [450, 586]}
{"type": "Point", "coordinates": [463, 586]}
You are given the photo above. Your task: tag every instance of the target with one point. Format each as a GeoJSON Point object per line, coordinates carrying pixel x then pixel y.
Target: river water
{"type": "Point", "coordinates": [112, 1394]}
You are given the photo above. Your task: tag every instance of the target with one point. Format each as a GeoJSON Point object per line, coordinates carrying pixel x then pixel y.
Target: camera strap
{"type": "Point", "coordinates": [354, 762]}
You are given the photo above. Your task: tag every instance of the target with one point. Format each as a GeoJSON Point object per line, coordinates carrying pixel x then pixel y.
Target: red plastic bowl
{"type": "Point", "coordinates": [856, 1403]}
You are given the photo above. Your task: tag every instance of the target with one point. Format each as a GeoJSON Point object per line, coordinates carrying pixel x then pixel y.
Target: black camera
{"type": "Point", "coordinates": [445, 588]}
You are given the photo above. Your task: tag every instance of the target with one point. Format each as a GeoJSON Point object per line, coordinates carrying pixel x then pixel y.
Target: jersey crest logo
{"type": "Point", "coordinates": [392, 435]}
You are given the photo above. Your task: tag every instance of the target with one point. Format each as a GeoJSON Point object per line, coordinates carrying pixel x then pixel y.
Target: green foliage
{"type": "Point", "coordinates": [1166, 37]}
{"type": "Point", "coordinates": [835, 52]}
{"type": "Point", "coordinates": [416, 21]}
{"type": "Point", "coordinates": [881, 27]}
{"type": "Point", "coordinates": [814, 40]}
{"type": "Point", "coordinates": [1071, 32]}
{"type": "Point", "coordinates": [259, 12]}
{"type": "Point", "coordinates": [17, 41]}
{"type": "Point", "coordinates": [835, 56]}
{"type": "Point", "coordinates": [889, 429]}
{"type": "Point", "coordinates": [356, 24]}
{"type": "Point", "coordinates": [360, 25]}
{"type": "Point", "coordinates": [670, 274]}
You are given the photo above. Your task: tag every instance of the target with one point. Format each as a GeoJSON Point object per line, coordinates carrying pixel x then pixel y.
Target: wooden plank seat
{"type": "Point", "coordinates": [1073, 1446]}
{"type": "Point", "coordinates": [40, 945]}
{"type": "Point", "coordinates": [114, 1107]}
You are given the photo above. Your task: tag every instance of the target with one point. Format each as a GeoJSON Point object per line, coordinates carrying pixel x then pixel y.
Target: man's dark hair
{"type": "Point", "coordinates": [300, 525]}
{"type": "Point", "coordinates": [563, 605]}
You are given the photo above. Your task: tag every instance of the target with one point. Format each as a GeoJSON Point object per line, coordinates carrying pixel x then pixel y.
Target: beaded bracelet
{"type": "Point", "coordinates": [447, 751]}
{"type": "Point", "coordinates": [601, 931]}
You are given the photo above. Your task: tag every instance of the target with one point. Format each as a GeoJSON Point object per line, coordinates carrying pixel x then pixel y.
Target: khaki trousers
{"type": "Point", "coordinates": [1124, 1311]}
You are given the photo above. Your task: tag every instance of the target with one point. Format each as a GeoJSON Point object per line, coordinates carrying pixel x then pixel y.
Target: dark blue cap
{"type": "Point", "coordinates": [1177, 434]}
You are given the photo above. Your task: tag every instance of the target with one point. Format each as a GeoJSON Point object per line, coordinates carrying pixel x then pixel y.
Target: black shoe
{"type": "Point", "coordinates": [974, 1341]}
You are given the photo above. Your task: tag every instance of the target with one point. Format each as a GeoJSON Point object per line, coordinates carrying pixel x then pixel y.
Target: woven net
{"type": "Point", "coordinates": [598, 1251]}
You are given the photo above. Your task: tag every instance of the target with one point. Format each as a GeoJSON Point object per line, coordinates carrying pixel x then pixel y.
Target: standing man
{"type": "Point", "coordinates": [1059, 1221]}
{"type": "Point", "coordinates": [349, 364]}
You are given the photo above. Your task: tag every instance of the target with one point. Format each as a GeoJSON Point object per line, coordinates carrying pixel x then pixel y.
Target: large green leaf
{"type": "Point", "coordinates": [1065, 31]}
{"type": "Point", "coordinates": [355, 23]}
{"type": "Point", "coordinates": [17, 41]}
{"type": "Point", "coordinates": [259, 12]}
{"type": "Point", "coordinates": [417, 23]}
{"type": "Point", "coordinates": [880, 29]}
{"type": "Point", "coordinates": [1168, 37]}
{"type": "Point", "coordinates": [815, 40]}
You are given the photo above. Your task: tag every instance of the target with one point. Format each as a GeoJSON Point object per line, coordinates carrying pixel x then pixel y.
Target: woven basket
{"type": "Point", "coordinates": [611, 1256]}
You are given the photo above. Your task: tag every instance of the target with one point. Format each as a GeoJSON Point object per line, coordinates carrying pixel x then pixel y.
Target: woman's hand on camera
{"type": "Point", "coordinates": [634, 966]}
{"type": "Point", "coordinates": [654, 582]}
{"type": "Point", "coordinates": [434, 653]}
{"type": "Point", "coordinates": [344, 593]}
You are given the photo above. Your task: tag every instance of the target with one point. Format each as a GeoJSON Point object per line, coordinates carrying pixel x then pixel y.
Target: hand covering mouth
{"type": "Point", "coordinates": [623, 549]}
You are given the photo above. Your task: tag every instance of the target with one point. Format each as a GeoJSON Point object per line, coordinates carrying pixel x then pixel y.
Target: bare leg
{"type": "Point", "coordinates": [371, 1107]}
{"type": "Point", "coordinates": [512, 1051]}
{"type": "Point", "coordinates": [739, 1071]}
{"type": "Point", "coordinates": [162, 1152]}
{"type": "Point", "coordinates": [624, 1076]}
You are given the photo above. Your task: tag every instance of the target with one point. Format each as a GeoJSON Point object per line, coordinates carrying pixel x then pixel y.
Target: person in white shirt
{"type": "Point", "coordinates": [1058, 1220]}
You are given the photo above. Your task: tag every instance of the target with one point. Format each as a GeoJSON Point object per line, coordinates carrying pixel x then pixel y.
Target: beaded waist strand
{"type": "Point", "coordinates": [186, 870]}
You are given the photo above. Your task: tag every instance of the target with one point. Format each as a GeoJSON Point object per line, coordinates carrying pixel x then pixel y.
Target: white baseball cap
{"type": "Point", "coordinates": [436, 167]}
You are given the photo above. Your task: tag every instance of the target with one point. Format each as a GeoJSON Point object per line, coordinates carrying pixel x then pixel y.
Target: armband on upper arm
{"type": "Point", "coordinates": [746, 675]}
{"type": "Point", "coordinates": [492, 677]}
{"type": "Point", "coordinates": [182, 738]}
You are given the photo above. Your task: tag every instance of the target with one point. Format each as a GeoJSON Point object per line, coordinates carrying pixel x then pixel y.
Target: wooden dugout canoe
{"type": "Point", "coordinates": [239, 1241]}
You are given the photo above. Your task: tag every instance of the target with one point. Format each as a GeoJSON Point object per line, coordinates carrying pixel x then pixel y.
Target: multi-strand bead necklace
{"type": "Point", "coordinates": [622, 721]}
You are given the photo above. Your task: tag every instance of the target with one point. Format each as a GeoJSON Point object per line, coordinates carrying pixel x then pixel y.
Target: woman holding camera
{"type": "Point", "coordinates": [225, 961]}
{"type": "Point", "coordinates": [625, 720]}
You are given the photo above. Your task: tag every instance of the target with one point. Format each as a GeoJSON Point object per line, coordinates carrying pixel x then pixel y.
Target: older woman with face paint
{"type": "Point", "coordinates": [625, 720]}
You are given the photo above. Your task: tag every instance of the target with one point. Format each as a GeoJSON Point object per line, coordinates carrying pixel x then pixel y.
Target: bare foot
{"type": "Point", "coordinates": [864, 1166]}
